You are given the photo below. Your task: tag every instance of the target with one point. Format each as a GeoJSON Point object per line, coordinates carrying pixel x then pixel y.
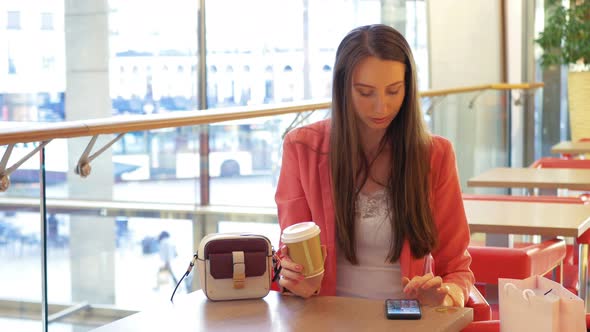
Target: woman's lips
{"type": "Point", "coordinates": [379, 120]}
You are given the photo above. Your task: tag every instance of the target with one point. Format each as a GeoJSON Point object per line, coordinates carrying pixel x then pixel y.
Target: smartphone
{"type": "Point", "coordinates": [402, 309]}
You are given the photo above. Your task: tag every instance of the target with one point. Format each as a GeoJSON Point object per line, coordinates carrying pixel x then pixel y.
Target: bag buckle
{"type": "Point", "coordinates": [239, 268]}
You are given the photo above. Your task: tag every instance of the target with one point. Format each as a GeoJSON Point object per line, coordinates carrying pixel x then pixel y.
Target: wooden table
{"type": "Point", "coordinates": [571, 147]}
{"type": "Point", "coordinates": [527, 218]}
{"type": "Point", "coordinates": [542, 178]}
{"type": "Point", "coordinates": [276, 312]}
{"type": "Point", "coordinates": [530, 218]}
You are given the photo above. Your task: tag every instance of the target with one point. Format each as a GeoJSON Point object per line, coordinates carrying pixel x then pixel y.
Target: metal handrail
{"type": "Point", "coordinates": [24, 132]}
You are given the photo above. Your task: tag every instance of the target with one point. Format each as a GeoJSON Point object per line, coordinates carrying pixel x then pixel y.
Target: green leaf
{"type": "Point", "coordinates": [566, 37]}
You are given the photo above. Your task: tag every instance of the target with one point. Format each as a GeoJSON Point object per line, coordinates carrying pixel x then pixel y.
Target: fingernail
{"type": "Point", "coordinates": [299, 267]}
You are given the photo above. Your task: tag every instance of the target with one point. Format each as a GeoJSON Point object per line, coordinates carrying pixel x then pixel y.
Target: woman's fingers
{"type": "Point", "coordinates": [429, 289]}
{"type": "Point", "coordinates": [284, 251]}
{"type": "Point", "coordinates": [416, 283]}
{"type": "Point", "coordinates": [405, 281]}
{"type": "Point", "coordinates": [290, 269]}
{"type": "Point", "coordinates": [290, 285]}
{"type": "Point", "coordinates": [443, 290]}
{"type": "Point", "coordinates": [435, 282]}
{"type": "Point", "coordinates": [293, 279]}
{"type": "Point", "coordinates": [293, 275]}
{"type": "Point", "coordinates": [304, 288]}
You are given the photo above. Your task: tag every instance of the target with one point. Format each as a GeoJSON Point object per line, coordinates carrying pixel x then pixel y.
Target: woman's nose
{"type": "Point", "coordinates": [380, 105]}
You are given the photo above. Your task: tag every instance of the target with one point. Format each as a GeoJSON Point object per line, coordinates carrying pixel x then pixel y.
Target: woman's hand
{"type": "Point", "coordinates": [430, 290]}
{"type": "Point", "coordinates": [293, 279]}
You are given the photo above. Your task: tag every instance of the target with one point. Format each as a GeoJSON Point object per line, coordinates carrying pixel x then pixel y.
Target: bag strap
{"type": "Point", "coordinates": [276, 266]}
{"type": "Point", "coordinates": [188, 271]}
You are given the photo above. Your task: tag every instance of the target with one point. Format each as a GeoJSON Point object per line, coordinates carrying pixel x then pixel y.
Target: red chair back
{"type": "Point", "coordinates": [552, 162]}
{"type": "Point", "coordinates": [523, 262]}
{"type": "Point", "coordinates": [582, 199]}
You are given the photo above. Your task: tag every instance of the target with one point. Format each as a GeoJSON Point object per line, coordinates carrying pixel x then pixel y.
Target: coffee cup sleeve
{"type": "Point", "coordinates": [285, 291]}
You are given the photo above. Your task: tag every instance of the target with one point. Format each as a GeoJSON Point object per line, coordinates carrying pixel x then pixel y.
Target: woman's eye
{"type": "Point", "coordinates": [393, 93]}
{"type": "Point", "coordinates": [365, 93]}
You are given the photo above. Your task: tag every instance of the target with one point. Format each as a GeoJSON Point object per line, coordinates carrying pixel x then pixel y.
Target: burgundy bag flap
{"type": "Point", "coordinates": [221, 265]}
{"type": "Point", "coordinates": [245, 244]}
{"type": "Point", "coordinates": [219, 254]}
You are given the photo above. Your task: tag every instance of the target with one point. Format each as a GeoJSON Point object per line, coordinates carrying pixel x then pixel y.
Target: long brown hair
{"type": "Point", "coordinates": [408, 184]}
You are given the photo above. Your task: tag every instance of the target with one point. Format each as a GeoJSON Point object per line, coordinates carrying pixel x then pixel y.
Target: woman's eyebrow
{"type": "Point", "coordinates": [363, 85]}
{"type": "Point", "coordinates": [370, 86]}
{"type": "Point", "coordinates": [395, 84]}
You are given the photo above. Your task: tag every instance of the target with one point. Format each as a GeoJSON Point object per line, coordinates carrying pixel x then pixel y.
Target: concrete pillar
{"type": "Point", "coordinates": [515, 55]}
{"type": "Point", "coordinates": [92, 239]}
{"type": "Point", "coordinates": [464, 49]}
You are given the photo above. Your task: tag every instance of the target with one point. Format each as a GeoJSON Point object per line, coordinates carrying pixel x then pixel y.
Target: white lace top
{"type": "Point", "coordinates": [374, 277]}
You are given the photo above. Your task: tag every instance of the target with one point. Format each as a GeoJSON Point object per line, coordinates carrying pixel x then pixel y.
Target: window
{"type": "Point", "coordinates": [11, 66]}
{"type": "Point", "coordinates": [48, 62]}
{"type": "Point", "coordinates": [269, 92]}
{"type": "Point", "coordinates": [13, 20]}
{"type": "Point", "coordinates": [46, 21]}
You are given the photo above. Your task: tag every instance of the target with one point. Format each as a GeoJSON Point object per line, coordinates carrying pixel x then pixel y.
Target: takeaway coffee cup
{"type": "Point", "coordinates": [303, 241]}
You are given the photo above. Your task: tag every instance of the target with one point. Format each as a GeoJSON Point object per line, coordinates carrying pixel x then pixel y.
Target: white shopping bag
{"type": "Point", "coordinates": [539, 304]}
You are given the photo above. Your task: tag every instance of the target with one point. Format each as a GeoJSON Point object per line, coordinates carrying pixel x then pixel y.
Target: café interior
{"type": "Point", "coordinates": [124, 120]}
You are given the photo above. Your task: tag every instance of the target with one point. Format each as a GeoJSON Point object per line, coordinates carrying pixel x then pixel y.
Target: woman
{"type": "Point", "coordinates": [384, 192]}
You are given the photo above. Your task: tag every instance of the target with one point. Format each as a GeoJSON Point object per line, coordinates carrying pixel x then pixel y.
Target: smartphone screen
{"type": "Point", "coordinates": [402, 309]}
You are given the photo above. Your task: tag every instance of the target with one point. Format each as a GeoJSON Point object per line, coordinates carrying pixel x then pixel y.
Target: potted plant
{"type": "Point", "coordinates": [566, 41]}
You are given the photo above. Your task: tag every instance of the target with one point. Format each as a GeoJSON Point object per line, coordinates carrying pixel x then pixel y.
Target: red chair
{"type": "Point", "coordinates": [481, 308]}
{"type": "Point", "coordinates": [519, 262]}
{"type": "Point", "coordinates": [494, 325]}
{"type": "Point", "coordinates": [523, 261]}
{"type": "Point", "coordinates": [570, 263]}
{"type": "Point", "coordinates": [542, 199]}
{"type": "Point", "coordinates": [483, 326]}
{"type": "Point", "coordinates": [552, 162]}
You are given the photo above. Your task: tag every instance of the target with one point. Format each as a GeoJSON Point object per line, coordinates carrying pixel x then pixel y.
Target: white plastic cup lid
{"type": "Point", "coordinates": [300, 232]}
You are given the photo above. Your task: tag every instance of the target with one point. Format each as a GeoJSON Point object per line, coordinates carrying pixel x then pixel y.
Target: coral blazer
{"type": "Point", "coordinates": [304, 193]}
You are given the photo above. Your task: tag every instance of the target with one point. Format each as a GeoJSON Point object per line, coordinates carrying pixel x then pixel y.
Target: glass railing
{"type": "Point", "coordinates": [78, 252]}
{"type": "Point", "coordinates": [475, 122]}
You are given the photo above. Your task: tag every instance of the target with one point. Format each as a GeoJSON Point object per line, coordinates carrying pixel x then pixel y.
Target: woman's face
{"type": "Point", "coordinates": [378, 91]}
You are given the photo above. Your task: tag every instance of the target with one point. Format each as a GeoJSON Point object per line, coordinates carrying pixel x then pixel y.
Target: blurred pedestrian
{"type": "Point", "coordinates": [167, 251]}
{"type": "Point", "coordinates": [52, 230]}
